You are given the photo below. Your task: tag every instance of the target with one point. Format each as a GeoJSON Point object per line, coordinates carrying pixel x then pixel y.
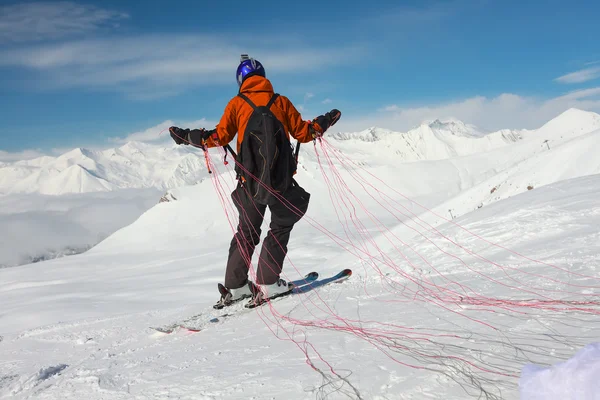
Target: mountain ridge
{"type": "Point", "coordinates": [142, 165]}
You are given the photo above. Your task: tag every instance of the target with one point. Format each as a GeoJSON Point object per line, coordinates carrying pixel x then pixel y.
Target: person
{"type": "Point", "coordinates": [263, 121]}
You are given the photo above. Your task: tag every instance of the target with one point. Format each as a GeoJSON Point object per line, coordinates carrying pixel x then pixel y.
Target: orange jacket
{"type": "Point", "coordinates": [237, 113]}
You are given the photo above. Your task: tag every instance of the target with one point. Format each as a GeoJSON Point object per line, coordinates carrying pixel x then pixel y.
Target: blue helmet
{"type": "Point", "coordinates": [248, 67]}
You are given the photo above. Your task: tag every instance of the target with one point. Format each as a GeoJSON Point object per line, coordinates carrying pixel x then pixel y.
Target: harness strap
{"type": "Point", "coordinates": [269, 104]}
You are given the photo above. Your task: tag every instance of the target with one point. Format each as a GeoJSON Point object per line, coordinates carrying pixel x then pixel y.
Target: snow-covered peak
{"type": "Point", "coordinates": [77, 153]}
{"type": "Point", "coordinates": [135, 147]}
{"type": "Point", "coordinates": [132, 165]}
{"type": "Point", "coordinates": [572, 121]}
{"type": "Point", "coordinates": [74, 179]}
{"type": "Point", "coordinates": [455, 127]}
{"type": "Point", "coordinates": [79, 156]}
{"type": "Point", "coordinates": [437, 127]}
{"type": "Point", "coordinates": [434, 140]}
{"type": "Point", "coordinates": [141, 165]}
{"type": "Point", "coordinates": [372, 134]}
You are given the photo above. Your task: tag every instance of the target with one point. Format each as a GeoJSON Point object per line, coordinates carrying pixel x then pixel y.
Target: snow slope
{"type": "Point", "coordinates": [78, 327]}
{"type": "Point", "coordinates": [564, 148]}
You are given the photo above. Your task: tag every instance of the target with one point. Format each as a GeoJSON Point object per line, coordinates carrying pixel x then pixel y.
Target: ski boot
{"type": "Point", "coordinates": [230, 296]}
{"type": "Point", "coordinates": [264, 293]}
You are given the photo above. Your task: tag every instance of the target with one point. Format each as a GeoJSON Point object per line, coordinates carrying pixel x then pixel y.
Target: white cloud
{"type": "Point", "coordinates": [509, 111]}
{"type": "Point", "coordinates": [155, 133]}
{"type": "Point", "coordinates": [580, 76]}
{"type": "Point", "coordinates": [160, 132]}
{"type": "Point", "coordinates": [52, 20]}
{"type": "Point", "coordinates": [581, 94]}
{"type": "Point", "coordinates": [51, 226]}
{"type": "Point", "coordinates": [151, 66]}
{"type": "Point", "coordinates": [8, 157]}
{"type": "Point", "coordinates": [327, 101]}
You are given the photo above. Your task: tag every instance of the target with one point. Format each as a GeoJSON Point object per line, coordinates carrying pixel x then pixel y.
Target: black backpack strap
{"type": "Point", "coordinates": [270, 103]}
{"type": "Point", "coordinates": [275, 96]}
{"type": "Point", "coordinates": [247, 100]}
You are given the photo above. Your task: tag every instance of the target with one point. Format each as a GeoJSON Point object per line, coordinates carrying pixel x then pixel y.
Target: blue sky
{"type": "Point", "coordinates": [98, 73]}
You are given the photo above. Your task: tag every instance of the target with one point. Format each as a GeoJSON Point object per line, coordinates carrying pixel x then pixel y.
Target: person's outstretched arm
{"type": "Point", "coordinates": [305, 131]}
{"type": "Point", "coordinates": [220, 136]}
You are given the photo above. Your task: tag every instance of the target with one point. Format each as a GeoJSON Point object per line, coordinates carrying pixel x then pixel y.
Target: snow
{"type": "Point", "coordinates": [434, 141]}
{"type": "Point", "coordinates": [576, 378]}
{"type": "Point", "coordinates": [489, 293]}
{"type": "Point", "coordinates": [133, 165]}
{"type": "Point", "coordinates": [140, 165]}
{"type": "Point", "coordinates": [572, 122]}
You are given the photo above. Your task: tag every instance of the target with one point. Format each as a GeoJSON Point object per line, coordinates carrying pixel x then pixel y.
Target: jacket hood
{"type": "Point", "coordinates": [256, 83]}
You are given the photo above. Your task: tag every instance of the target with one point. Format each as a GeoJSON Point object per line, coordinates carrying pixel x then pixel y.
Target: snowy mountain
{"type": "Point", "coordinates": [474, 257]}
{"type": "Point", "coordinates": [138, 165]}
{"type": "Point", "coordinates": [571, 123]}
{"type": "Point", "coordinates": [133, 165]}
{"type": "Point", "coordinates": [433, 141]}
{"type": "Point", "coordinates": [448, 164]}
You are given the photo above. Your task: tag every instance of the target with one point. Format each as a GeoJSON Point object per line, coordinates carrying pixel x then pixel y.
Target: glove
{"type": "Point", "coordinates": [179, 135]}
{"type": "Point", "coordinates": [199, 136]}
{"type": "Point", "coordinates": [194, 137]}
{"type": "Point", "coordinates": [335, 116]}
{"type": "Point", "coordinates": [324, 122]}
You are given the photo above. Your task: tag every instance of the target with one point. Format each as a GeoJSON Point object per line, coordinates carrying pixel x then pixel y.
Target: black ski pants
{"type": "Point", "coordinates": [274, 248]}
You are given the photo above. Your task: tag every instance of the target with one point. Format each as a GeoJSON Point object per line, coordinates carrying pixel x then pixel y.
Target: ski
{"type": "Point", "coordinates": [310, 277]}
{"type": "Point", "coordinates": [307, 287]}
{"type": "Point", "coordinates": [337, 278]}
{"type": "Point", "coordinates": [184, 325]}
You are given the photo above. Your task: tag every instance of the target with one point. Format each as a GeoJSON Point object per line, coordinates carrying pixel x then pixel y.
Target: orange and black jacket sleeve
{"type": "Point", "coordinates": [301, 130]}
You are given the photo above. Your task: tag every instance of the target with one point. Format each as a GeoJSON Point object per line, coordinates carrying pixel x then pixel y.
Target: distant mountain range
{"type": "Point", "coordinates": [140, 165]}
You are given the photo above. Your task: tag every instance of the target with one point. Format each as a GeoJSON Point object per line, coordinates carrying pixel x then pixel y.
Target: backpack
{"type": "Point", "coordinates": [266, 155]}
